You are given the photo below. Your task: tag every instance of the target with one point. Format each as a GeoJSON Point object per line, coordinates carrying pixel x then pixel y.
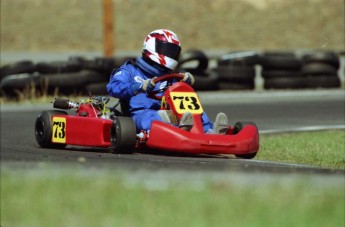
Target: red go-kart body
{"type": "Point", "coordinates": [92, 126]}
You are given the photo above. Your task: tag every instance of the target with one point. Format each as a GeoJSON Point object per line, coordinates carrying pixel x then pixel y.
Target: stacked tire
{"type": "Point", "coordinates": [104, 66]}
{"type": "Point", "coordinates": [196, 63]}
{"type": "Point", "coordinates": [321, 69]}
{"type": "Point", "coordinates": [10, 85]}
{"type": "Point", "coordinates": [282, 70]}
{"type": "Point", "coordinates": [77, 76]}
{"type": "Point", "coordinates": [236, 71]}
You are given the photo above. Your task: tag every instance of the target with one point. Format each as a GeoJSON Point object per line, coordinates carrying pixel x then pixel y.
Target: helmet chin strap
{"type": "Point", "coordinates": [149, 69]}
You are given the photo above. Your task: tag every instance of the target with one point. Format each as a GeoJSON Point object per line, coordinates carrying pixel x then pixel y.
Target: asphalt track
{"type": "Point", "coordinates": [271, 111]}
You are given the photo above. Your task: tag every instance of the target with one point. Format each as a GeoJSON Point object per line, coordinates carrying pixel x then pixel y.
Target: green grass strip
{"type": "Point", "coordinates": [324, 149]}
{"type": "Point", "coordinates": [56, 197]}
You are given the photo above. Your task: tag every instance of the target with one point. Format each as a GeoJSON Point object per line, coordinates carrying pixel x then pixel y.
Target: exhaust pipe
{"type": "Point", "coordinates": [65, 104]}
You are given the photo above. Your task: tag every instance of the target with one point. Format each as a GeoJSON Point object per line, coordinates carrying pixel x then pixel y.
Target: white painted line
{"type": "Point", "coordinates": [302, 129]}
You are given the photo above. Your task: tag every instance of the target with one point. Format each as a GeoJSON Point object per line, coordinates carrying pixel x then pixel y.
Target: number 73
{"type": "Point", "coordinates": [187, 103]}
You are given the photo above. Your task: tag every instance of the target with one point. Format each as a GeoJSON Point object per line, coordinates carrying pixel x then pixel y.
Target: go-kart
{"type": "Point", "coordinates": [94, 124]}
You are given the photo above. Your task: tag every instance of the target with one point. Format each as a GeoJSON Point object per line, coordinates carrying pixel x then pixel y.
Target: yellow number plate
{"type": "Point", "coordinates": [186, 102]}
{"type": "Point", "coordinates": [59, 130]}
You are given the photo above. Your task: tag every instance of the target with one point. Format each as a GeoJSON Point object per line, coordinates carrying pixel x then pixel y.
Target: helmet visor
{"type": "Point", "coordinates": [170, 50]}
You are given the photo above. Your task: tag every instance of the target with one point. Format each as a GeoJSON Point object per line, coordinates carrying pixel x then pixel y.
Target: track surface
{"type": "Point", "coordinates": [270, 111]}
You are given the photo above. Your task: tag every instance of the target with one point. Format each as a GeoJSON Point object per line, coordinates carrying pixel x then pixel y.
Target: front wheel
{"type": "Point", "coordinates": [44, 129]}
{"type": "Point", "coordinates": [246, 156]}
{"type": "Point", "coordinates": [123, 135]}
{"type": "Point", "coordinates": [237, 128]}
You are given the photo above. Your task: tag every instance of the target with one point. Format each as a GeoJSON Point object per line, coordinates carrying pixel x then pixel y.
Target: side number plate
{"type": "Point", "coordinates": [59, 130]}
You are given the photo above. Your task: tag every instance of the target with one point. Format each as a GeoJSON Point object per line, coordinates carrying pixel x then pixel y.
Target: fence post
{"type": "Point", "coordinates": [108, 28]}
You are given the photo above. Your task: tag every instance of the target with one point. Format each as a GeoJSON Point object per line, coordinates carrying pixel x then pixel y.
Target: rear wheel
{"type": "Point", "coordinates": [44, 129]}
{"type": "Point", "coordinates": [123, 135]}
{"type": "Point", "coordinates": [237, 128]}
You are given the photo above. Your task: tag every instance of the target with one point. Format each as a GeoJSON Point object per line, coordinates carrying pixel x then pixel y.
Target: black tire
{"type": "Point", "coordinates": [191, 56]}
{"type": "Point", "coordinates": [206, 82]}
{"type": "Point", "coordinates": [237, 85]}
{"type": "Point", "coordinates": [77, 79]}
{"type": "Point", "coordinates": [13, 84]}
{"type": "Point", "coordinates": [17, 68]}
{"type": "Point", "coordinates": [281, 73]}
{"type": "Point", "coordinates": [285, 83]}
{"type": "Point", "coordinates": [246, 156]}
{"type": "Point", "coordinates": [44, 127]}
{"type": "Point", "coordinates": [237, 128]}
{"type": "Point", "coordinates": [236, 77]}
{"type": "Point", "coordinates": [121, 60]}
{"type": "Point", "coordinates": [58, 67]}
{"type": "Point", "coordinates": [96, 88]}
{"type": "Point", "coordinates": [280, 61]}
{"type": "Point", "coordinates": [69, 83]}
{"type": "Point", "coordinates": [323, 82]}
{"type": "Point", "coordinates": [239, 58]}
{"type": "Point", "coordinates": [90, 64]}
{"type": "Point", "coordinates": [324, 57]}
{"type": "Point", "coordinates": [319, 69]}
{"type": "Point", "coordinates": [235, 72]}
{"type": "Point", "coordinates": [20, 81]}
{"type": "Point", "coordinates": [104, 65]}
{"type": "Point", "coordinates": [123, 135]}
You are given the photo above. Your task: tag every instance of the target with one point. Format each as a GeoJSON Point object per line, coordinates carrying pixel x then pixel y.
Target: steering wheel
{"type": "Point", "coordinates": [167, 77]}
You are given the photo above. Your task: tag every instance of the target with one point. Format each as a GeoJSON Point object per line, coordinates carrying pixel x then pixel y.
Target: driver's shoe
{"type": "Point", "coordinates": [187, 121]}
{"type": "Point", "coordinates": [221, 124]}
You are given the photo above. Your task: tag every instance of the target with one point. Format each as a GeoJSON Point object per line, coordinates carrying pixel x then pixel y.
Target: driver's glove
{"type": "Point", "coordinates": [188, 78]}
{"type": "Point", "coordinates": [146, 86]}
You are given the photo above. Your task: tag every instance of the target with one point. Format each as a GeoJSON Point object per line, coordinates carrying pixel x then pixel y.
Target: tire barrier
{"type": "Point", "coordinates": [236, 77]}
{"type": "Point", "coordinates": [17, 68]}
{"type": "Point", "coordinates": [232, 71]}
{"type": "Point", "coordinates": [77, 75]}
{"type": "Point", "coordinates": [236, 70]}
{"type": "Point", "coordinates": [196, 62]}
{"type": "Point", "coordinates": [321, 69]}
{"type": "Point", "coordinates": [239, 58]}
{"type": "Point", "coordinates": [14, 85]}
{"type": "Point", "coordinates": [63, 83]}
{"type": "Point", "coordinates": [96, 88]}
{"type": "Point", "coordinates": [58, 67]}
{"type": "Point", "coordinates": [282, 70]}
{"type": "Point", "coordinates": [193, 56]}
{"type": "Point", "coordinates": [208, 81]}
{"type": "Point", "coordinates": [316, 69]}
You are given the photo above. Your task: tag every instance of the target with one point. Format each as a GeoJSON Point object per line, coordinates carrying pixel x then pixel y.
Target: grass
{"type": "Point", "coordinates": [321, 149]}
{"type": "Point", "coordinates": [73, 195]}
{"type": "Point", "coordinates": [56, 197]}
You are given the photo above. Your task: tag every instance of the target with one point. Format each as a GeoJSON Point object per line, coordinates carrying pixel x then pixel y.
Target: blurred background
{"type": "Point", "coordinates": [227, 44]}
{"type": "Point", "coordinates": [67, 25]}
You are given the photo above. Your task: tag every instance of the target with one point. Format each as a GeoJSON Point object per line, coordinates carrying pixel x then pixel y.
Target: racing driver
{"type": "Point", "coordinates": [131, 82]}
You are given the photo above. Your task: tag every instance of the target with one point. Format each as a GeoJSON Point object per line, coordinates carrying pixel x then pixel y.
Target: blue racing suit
{"type": "Point", "coordinates": [123, 83]}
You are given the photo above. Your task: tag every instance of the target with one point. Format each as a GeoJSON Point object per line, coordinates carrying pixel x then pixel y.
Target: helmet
{"type": "Point", "coordinates": [163, 47]}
